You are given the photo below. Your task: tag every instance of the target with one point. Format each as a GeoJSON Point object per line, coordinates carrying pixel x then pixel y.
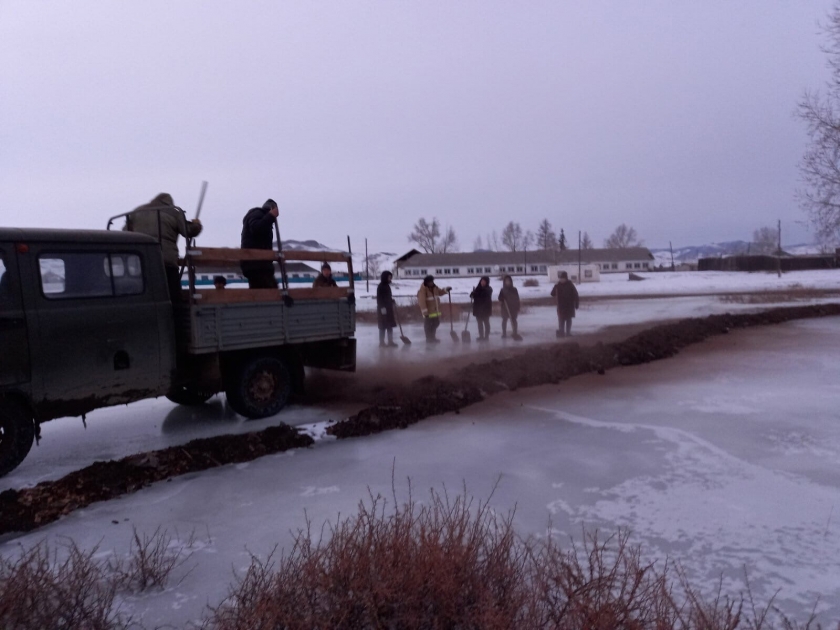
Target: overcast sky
{"type": "Point", "coordinates": [360, 117]}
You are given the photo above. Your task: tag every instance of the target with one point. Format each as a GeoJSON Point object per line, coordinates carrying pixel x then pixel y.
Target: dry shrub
{"type": "Point", "coordinates": [63, 587]}
{"type": "Point", "coordinates": [531, 282]}
{"type": "Point", "coordinates": [456, 564]}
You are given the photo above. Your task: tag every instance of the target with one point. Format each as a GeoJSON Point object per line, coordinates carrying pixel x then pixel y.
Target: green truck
{"type": "Point", "coordinates": [86, 322]}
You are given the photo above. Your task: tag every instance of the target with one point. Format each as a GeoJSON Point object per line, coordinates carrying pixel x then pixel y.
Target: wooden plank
{"type": "Point", "coordinates": [244, 296]}
{"type": "Point", "coordinates": [289, 254]}
{"type": "Point", "coordinates": [217, 255]}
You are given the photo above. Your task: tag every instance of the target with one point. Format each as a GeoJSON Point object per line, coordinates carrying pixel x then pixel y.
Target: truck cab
{"type": "Point", "coordinates": [86, 321]}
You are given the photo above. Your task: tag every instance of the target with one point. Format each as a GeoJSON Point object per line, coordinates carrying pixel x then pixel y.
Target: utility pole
{"type": "Point", "coordinates": [779, 250]}
{"type": "Point", "coordinates": [367, 268]}
{"type": "Point", "coordinates": [671, 247]}
{"type": "Point", "coordinates": [580, 278]}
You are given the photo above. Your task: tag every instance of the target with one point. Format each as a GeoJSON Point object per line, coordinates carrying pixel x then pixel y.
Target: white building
{"type": "Point", "coordinates": [589, 273]}
{"type": "Point", "coordinates": [416, 265]}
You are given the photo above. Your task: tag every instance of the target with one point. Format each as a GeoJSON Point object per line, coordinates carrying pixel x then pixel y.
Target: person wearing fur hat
{"type": "Point", "coordinates": [482, 297]}
{"type": "Point", "coordinates": [428, 299]}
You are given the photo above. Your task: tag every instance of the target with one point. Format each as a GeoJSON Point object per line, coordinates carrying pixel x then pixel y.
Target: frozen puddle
{"type": "Point", "coordinates": [725, 458]}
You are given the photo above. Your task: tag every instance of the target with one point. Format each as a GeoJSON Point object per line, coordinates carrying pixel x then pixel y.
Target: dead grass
{"type": "Point", "coordinates": [454, 563]}
{"type": "Point", "coordinates": [531, 282]}
{"type": "Point", "coordinates": [62, 586]}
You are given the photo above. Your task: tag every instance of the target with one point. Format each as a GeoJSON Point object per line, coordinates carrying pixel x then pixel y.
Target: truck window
{"type": "Point", "coordinates": [90, 274]}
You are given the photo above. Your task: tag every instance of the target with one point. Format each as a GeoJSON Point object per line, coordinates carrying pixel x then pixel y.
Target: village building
{"type": "Point", "coordinates": [416, 265]}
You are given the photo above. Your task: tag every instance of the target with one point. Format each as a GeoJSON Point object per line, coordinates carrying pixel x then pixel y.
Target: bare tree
{"type": "Point", "coordinates": [493, 243]}
{"type": "Point", "coordinates": [449, 242]}
{"type": "Point", "coordinates": [586, 242]}
{"type": "Point", "coordinates": [765, 240]}
{"type": "Point", "coordinates": [623, 236]}
{"type": "Point", "coordinates": [478, 244]}
{"type": "Point", "coordinates": [562, 244]}
{"type": "Point", "coordinates": [427, 237]}
{"type": "Point", "coordinates": [820, 165]}
{"type": "Point", "coordinates": [373, 266]}
{"type": "Point", "coordinates": [512, 237]}
{"type": "Point", "coordinates": [546, 238]}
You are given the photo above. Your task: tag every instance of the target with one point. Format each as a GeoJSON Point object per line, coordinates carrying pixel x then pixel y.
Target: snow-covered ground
{"type": "Point", "coordinates": [724, 457]}
{"type": "Point", "coordinates": [618, 285]}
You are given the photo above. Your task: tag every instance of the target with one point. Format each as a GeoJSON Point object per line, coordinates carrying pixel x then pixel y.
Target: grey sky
{"type": "Point", "coordinates": [360, 117]}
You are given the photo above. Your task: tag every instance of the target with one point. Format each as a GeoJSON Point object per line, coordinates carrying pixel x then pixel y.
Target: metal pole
{"type": "Point", "coordinates": [367, 268]}
{"type": "Point", "coordinates": [671, 247]}
{"type": "Point", "coordinates": [579, 256]}
{"type": "Point", "coordinates": [779, 251]}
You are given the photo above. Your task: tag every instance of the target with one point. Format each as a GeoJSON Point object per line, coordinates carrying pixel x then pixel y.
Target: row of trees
{"type": "Point", "coordinates": [429, 238]}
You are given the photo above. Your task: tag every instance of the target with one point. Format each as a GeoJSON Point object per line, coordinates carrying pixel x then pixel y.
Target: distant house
{"type": "Point", "coordinates": [414, 264]}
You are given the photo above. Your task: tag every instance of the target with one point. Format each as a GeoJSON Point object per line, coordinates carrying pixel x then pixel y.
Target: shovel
{"type": "Point", "coordinates": [403, 338]}
{"type": "Point", "coordinates": [452, 332]}
{"type": "Point", "coordinates": [465, 334]}
{"type": "Point", "coordinates": [515, 336]}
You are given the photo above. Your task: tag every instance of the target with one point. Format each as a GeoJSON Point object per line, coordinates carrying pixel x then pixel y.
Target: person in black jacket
{"type": "Point", "coordinates": [324, 279]}
{"type": "Point", "coordinates": [509, 298]}
{"type": "Point", "coordinates": [567, 302]}
{"type": "Point", "coordinates": [482, 297]}
{"type": "Point", "coordinates": [385, 306]}
{"type": "Point", "coordinates": [258, 233]}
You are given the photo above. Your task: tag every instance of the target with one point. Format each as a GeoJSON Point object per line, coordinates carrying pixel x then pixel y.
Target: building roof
{"type": "Point", "coordinates": [544, 257]}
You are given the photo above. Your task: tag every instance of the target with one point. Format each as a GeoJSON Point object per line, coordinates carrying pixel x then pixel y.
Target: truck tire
{"type": "Point", "coordinates": [17, 432]}
{"type": "Point", "coordinates": [188, 396]}
{"type": "Point", "coordinates": [259, 387]}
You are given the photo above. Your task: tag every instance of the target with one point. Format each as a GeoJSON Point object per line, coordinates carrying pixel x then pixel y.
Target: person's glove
{"type": "Point", "coordinates": [196, 222]}
{"type": "Point", "coordinates": [447, 289]}
{"type": "Point", "coordinates": [383, 310]}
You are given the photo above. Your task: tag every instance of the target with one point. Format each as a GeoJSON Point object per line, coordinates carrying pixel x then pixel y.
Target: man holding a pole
{"type": "Point", "coordinates": [258, 233]}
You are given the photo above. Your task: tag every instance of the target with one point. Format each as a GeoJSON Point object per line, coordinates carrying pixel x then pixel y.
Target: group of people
{"type": "Point", "coordinates": [428, 299]}
{"type": "Point", "coordinates": [162, 219]}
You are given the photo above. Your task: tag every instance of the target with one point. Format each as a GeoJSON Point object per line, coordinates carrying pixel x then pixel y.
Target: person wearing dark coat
{"type": "Point", "coordinates": [482, 297]}
{"type": "Point", "coordinates": [509, 298]}
{"type": "Point", "coordinates": [258, 233]}
{"type": "Point", "coordinates": [385, 306]}
{"type": "Point", "coordinates": [163, 220]}
{"type": "Point", "coordinates": [325, 278]}
{"type": "Point", "coordinates": [567, 303]}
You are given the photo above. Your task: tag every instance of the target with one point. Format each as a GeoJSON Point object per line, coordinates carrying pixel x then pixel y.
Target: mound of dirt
{"type": "Point", "coordinates": [24, 510]}
{"type": "Point", "coordinates": [544, 365]}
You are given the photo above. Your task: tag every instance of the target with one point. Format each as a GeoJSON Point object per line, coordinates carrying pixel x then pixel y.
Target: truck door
{"type": "Point", "coordinates": [14, 358]}
{"type": "Point", "coordinates": [98, 328]}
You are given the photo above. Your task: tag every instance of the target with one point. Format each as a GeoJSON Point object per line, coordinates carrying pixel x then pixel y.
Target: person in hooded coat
{"type": "Point", "coordinates": [428, 299]}
{"type": "Point", "coordinates": [567, 303]}
{"type": "Point", "coordinates": [258, 233]}
{"type": "Point", "coordinates": [482, 297]}
{"type": "Point", "coordinates": [385, 306]}
{"type": "Point", "coordinates": [163, 220]}
{"type": "Point", "coordinates": [509, 298]}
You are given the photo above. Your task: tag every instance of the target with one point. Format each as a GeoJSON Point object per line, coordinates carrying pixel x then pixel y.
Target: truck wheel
{"type": "Point", "coordinates": [260, 387]}
{"type": "Point", "coordinates": [17, 432]}
{"type": "Point", "coordinates": [188, 396]}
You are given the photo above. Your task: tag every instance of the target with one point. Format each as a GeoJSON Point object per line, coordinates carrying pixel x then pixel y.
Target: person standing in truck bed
{"type": "Point", "coordinates": [258, 233]}
{"type": "Point", "coordinates": [161, 219]}
{"type": "Point", "coordinates": [324, 278]}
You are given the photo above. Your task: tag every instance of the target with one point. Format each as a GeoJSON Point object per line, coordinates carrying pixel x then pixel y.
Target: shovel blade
{"type": "Point", "coordinates": [405, 340]}
{"type": "Point", "coordinates": [465, 336]}
{"type": "Point", "coordinates": [454, 336]}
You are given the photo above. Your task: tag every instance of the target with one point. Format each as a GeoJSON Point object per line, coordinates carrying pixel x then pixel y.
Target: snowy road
{"type": "Point", "coordinates": [725, 457]}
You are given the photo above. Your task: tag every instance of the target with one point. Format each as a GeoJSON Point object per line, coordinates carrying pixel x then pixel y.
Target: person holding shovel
{"type": "Point", "coordinates": [258, 233]}
{"type": "Point", "coordinates": [567, 303]}
{"type": "Point", "coordinates": [509, 299]}
{"type": "Point", "coordinates": [385, 306]}
{"type": "Point", "coordinates": [428, 299]}
{"type": "Point", "coordinates": [482, 297]}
